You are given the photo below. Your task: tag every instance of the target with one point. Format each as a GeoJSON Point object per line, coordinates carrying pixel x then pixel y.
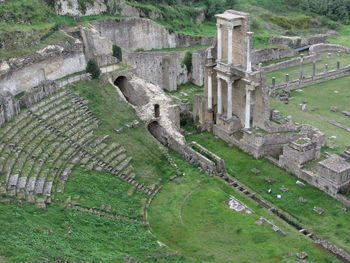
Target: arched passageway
{"type": "Point", "coordinates": [136, 97]}
{"type": "Point", "coordinates": [157, 131]}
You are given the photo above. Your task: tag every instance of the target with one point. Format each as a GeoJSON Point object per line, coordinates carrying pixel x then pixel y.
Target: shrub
{"type": "Point", "coordinates": [93, 68]}
{"type": "Point", "coordinates": [117, 52]}
{"type": "Point", "coordinates": [188, 61]}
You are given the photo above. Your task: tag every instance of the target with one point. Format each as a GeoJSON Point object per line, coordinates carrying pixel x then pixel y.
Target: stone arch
{"type": "Point", "coordinates": [136, 97]}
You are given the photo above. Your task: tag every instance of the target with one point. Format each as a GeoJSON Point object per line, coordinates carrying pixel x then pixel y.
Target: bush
{"type": "Point", "coordinates": [117, 52]}
{"type": "Point", "coordinates": [188, 61]}
{"type": "Point", "coordinates": [93, 68]}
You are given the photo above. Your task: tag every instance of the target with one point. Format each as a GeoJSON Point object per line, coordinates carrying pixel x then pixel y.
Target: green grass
{"type": "Point", "coordinates": [112, 112]}
{"type": "Point", "coordinates": [343, 36]}
{"type": "Point", "coordinates": [293, 72]}
{"type": "Point", "coordinates": [98, 189]}
{"type": "Point", "coordinates": [211, 232]}
{"type": "Point", "coordinates": [321, 97]}
{"type": "Point", "coordinates": [185, 91]}
{"type": "Point", "coordinates": [31, 235]}
{"type": "Point", "coordinates": [332, 225]}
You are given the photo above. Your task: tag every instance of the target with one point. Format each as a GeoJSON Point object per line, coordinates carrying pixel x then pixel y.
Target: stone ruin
{"type": "Point", "coordinates": [44, 89]}
{"type": "Point", "coordinates": [235, 101]}
{"type": "Point", "coordinates": [9, 107]}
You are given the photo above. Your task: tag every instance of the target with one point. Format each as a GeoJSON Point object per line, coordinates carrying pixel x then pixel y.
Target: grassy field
{"type": "Point", "coordinates": [321, 97]}
{"type": "Point", "coordinates": [332, 225]}
{"type": "Point", "coordinates": [193, 217]}
{"type": "Point", "coordinates": [293, 72]}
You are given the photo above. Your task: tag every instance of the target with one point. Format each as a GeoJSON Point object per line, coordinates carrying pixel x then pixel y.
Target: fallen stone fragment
{"type": "Point", "coordinates": [255, 171]}
{"type": "Point", "coordinates": [300, 183]}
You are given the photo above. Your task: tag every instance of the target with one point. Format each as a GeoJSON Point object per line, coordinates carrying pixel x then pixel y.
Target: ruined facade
{"type": "Point", "coordinates": [233, 96]}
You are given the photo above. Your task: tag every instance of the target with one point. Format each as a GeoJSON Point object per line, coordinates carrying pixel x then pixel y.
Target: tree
{"type": "Point", "coordinates": [188, 61]}
{"type": "Point", "coordinates": [93, 68]}
{"type": "Point", "coordinates": [117, 52]}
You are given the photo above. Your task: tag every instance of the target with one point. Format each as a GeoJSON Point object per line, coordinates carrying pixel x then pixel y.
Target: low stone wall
{"type": "Point", "coordinates": [267, 54]}
{"type": "Point", "coordinates": [139, 33]}
{"type": "Point", "coordinates": [291, 63]}
{"type": "Point", "coordinates": [328, 47]}
{"type": "Point", "coordinates": [318, 78]}
{"type": "Point", "coordinates": [167, 69]}
{"type": "Point", "coordinates": [53, 62]}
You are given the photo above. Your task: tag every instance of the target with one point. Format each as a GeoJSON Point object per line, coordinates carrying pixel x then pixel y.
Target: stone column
{"type": "Point", "coordinates": [301, 66]}
{"type": "Point", "coordinates": [338, 65]}
{"type": "Point", "coordinates": [229, 99]}
{"type": "Point", "coordinates": [210, 92]}
{"type": "Point", "coordinates": [249, 51]}
{"type": "Point", "coordinates": [273, 82]}
{"type": "Point", "coordinates": [219, 57]}
{"type": "Point", "coordinates": [313, 68]}
{"type": "Point", "coordinates": [325, 68]}
{"type": "Point", "coordinates": [219, 97]}
{"type": "Point", "coordinates": [229, 55]}
{"type": "Point", "coordinates": [247, 108]}
{"type": "Point", "coordinates": [287, 78]}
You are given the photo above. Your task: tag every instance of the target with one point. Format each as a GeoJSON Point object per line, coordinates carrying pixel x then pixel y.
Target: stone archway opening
{"type": "Point", "coordinates": [133, 95]}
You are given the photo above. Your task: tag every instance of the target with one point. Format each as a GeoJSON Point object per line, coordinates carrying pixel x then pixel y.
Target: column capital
{"type": "Point", "coordinates": [230, 26]}
{"type": "Point", "coordinates": [218, 25]}
{"type": "Point", "coordinates": [250, 33]}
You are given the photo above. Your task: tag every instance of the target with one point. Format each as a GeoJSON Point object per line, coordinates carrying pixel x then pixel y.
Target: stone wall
{"type": "Point", "coordinates": [166, 69]}
{"type": "Point", "coordinates": [9, 107]}
{"type": "Point", "coordinates": [328, 47]}
{"type": "Point", "coordinates": [267, 54]}
{"type": "Point", "coordinates": [286, 40]}
{"type": "Point", "coordinates": [33, 95]}
{"type": "Point", "coordinates": [291, 63]}
{"type": "Point", "coordinates": [53, 62]}
{"type": "Point", "coordinates": [139, 33]}
{"type": "Point", "coordinates": [318, 78]}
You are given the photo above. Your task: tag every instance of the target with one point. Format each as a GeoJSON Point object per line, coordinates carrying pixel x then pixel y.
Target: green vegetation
{"type": "Point", "coordinates": [32, 235]}
{"type": "Point", "coordinates": [188, 61]}
{"type": "Point", "coordinates": [321, 97]}
{"type": "Point", "coordinates": [185, 91]}
{"type": "Point", "coordinates": [194, 218]}
{"type": "Point", "coordinates": [93, 68]}
{"type": "Point", "coordinates": [117, 52]}
{"type": "Point", "coordinates": [331, 225]}
{"type": "Point", "coordinates": [293, 72]}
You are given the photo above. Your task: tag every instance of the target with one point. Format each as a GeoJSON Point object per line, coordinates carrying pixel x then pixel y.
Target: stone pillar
{"type": "Point", "coordinates": [325, 68]}
{"type": "Point", "coordinates": [249, 51]}
{"type": "Point", "coordinates": [313, 68]}
{"type": "Point", "coordinates": [273, 82]}
{"type": "Point", "coordinates": [339, 53]}
{"type": "Point", "coordinates": [301, 66]}
{"type": "Point", "coordinates": [229, 99]}
{"type": "Point", "coordinates": [287, 78]}
{"type": "Point", "coordinates": [219, 42]}
{"type": "Point", "coordinates": [338, 65]}
{"type": "Point", "coordinates": [210, 93]}
{"type": "Point", "coordinates": [247, 108]}
{"type": "Point", "coordinates": [219, 97]}
{"type": "Point", "coordinates": [229, 55]}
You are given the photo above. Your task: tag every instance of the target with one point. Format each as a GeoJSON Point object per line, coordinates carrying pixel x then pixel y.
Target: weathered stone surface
{"type": "Point", "coordinates": [334, 109]}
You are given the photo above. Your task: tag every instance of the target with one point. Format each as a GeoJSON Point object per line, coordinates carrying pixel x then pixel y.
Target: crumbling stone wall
{"type": "Point", "coordinates": [139, 33]}
{"type": "Point", "coordinates": [267, 54]}
{"type": "Point", "coordinates": [45, 88]}
{"type": "Point", "coordinates": [9, 107]}
{"type": "Point", "coordinates": [167, 69]}
{"type": "Point", "coordinates": [53, 62]}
